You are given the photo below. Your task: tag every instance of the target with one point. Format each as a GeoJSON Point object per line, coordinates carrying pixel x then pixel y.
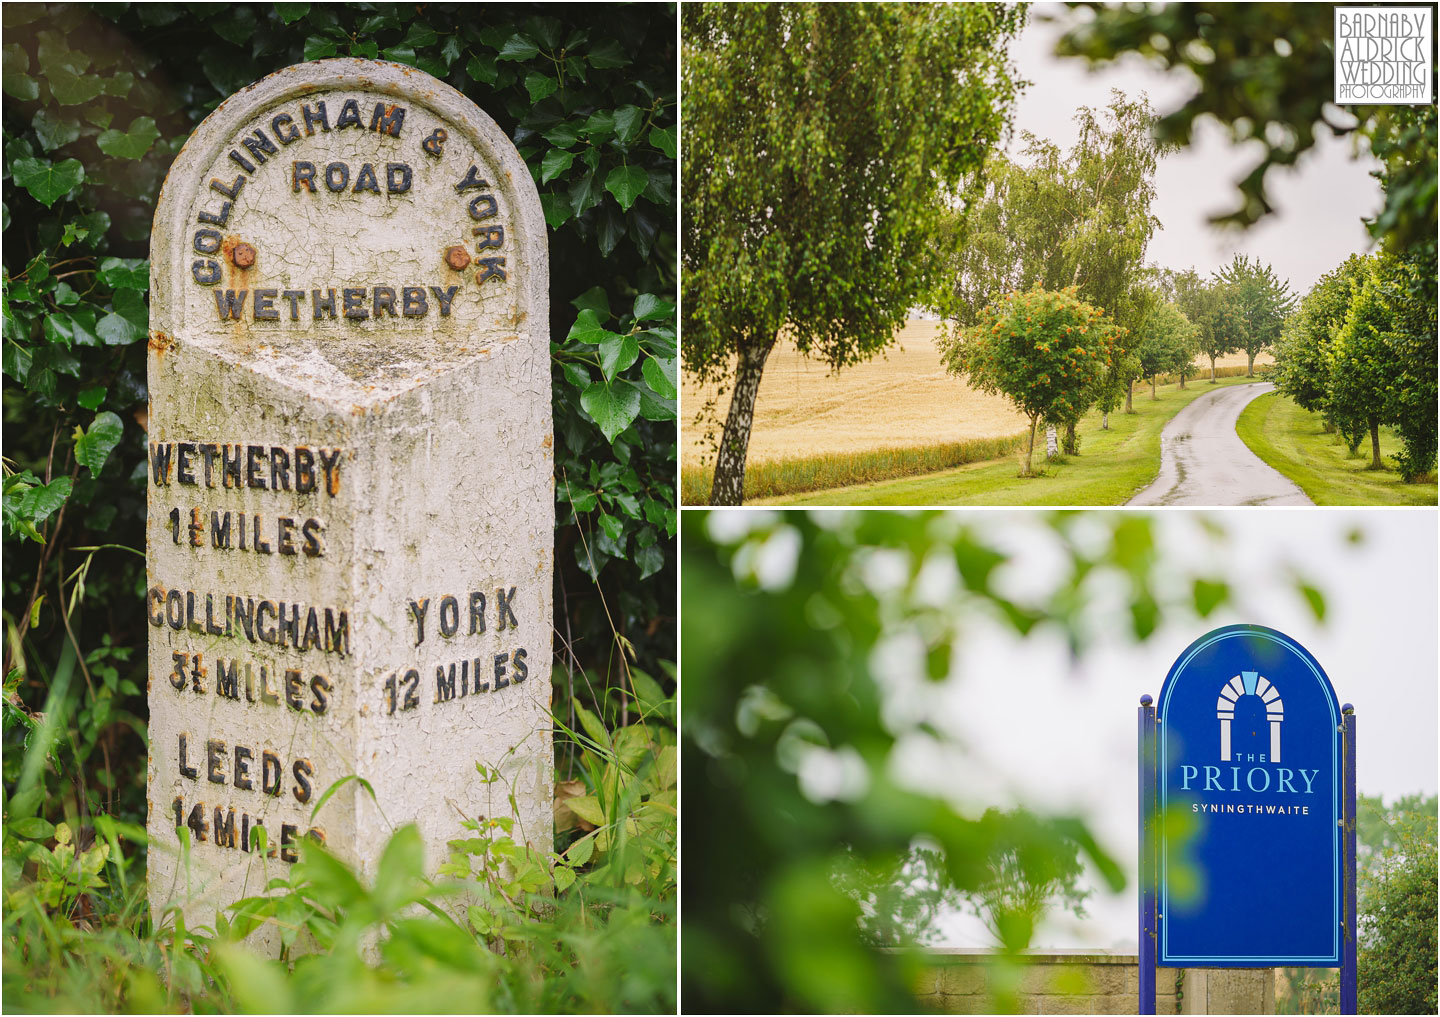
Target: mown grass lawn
{"type": "Point", "coordinates": [1292, 440]}
{"type": "Point", "coordinates": [1112, 465]}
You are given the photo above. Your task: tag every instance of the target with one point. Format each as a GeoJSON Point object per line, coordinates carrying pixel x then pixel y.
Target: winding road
{"type": "Point", "coordinates": [1204, 462]}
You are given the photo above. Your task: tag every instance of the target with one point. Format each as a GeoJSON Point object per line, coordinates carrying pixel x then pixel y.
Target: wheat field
{"type": "Point", "coordinates": [903, 398]}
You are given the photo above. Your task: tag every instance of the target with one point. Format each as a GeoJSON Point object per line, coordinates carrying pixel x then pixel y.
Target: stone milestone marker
{"type": "Point", "coordinates": [350, 531]}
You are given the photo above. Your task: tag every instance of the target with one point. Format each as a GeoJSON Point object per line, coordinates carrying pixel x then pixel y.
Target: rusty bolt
{"type": "Point", "coordinates": [457, 258]}
{"type": "Point", "coordinates": [243, 255]}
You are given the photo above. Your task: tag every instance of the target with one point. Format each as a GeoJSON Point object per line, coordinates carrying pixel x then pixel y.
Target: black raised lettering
{"type": "Point", "coordinates": [415, 305]}
{"type": "Point", "coordinates": [387, 119]}
{"type": "Point", "coordinates": [355, 304]}
{"type": "Point", "coordinates": [337, 176]}
{"type": "Point", "coordinates": [449, 616]}
{"type": "Point", "coordinates": [160, 462]}
{"type": "Point", "coordinates": [323, 304]}
{"type": "Point", "coordinates": [255, 466]}
{"type": "Point", "coordinates": [293, 688]}
{"type": "Point", "coordinates": [227, 681]}
{"type": "Point", "coordinates": [483, 206]}
{"type": "Point", "coordinates": [490, 236]}
{"type": "Point", "coordinates": [207, 241]}
{"type": "Point", "coordinates": [270, 772]}
{"type": "Point", "coordinates": [230, 303]}
{"type": "Point", "coordinates": [185, 463]}
{"type": "Point", "coordinates": [302, 174]}
{"type": "Point", "coordinates": [265, 309]}
{"type": "Point", "coordinates": [259, 146]}
{"type": "Point", "coordinates": [490, 268]}
{"type": "Point", "coordinates": [444, 297]}
{"type": "Point", "coordinates": [205, 271]}
{"type": "Point", "coordinates": [397, 177]}
{"type": "Point", "coordinates": [472, 181]}
{"type": "Point", "coordinates": [285, 535]}
{"type": "Point", "coordinates": [283, 127]}
{"type": "Point", "coordinates": [318, 117]}
{"type": "Point", "coordinates": [220, 218]}
{"type": "Point", "coordinates": [383, 299]}
{"type": "Point", "coordinates": [215, 761]}
{"type": "Point", "coordinates": [503, 607]}
{"type": "Point", "coordinates": [185, 769]}
{"type": "Point", "coordinates": [349, 115]}
{"type": "Point", "coordinates": [294, 296]}
{"type": "Point", "coordinates": [320, 689]}
{"type": "Point", "coordinates": [365, 180]}
{"type": "Point", "coordinates": [310, 531]}
{"type": "Point", "coordinates": [417, 611]}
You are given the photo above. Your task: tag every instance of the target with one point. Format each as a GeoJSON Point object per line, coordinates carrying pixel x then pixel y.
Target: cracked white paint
{"type": "Point", "coordinates": [446, 475]}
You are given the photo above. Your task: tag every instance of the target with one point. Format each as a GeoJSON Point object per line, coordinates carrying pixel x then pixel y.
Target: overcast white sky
{"type": "Point", "coordinates": [1320, 202]}
{"type": "Point", "coordinates": [1064, 739]}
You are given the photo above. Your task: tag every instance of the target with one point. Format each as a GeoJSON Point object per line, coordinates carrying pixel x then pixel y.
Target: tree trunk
{"type": "Point", "coordinates": [1105, 420]}
{"type": "Point", "coordinates": [1129, 390]}
{"type": "Point", "coordinates": [1250, 371]}
{"type": "Point", "coordinates": [1375, 463]}
{"type": "Point", "coordinates": [728, 487]}
{"type": "Point", "coordinates": [1070, 445]}
{"type": "Point", "coordinates": [1152, 388]}
{"type": "Point", "coordinates": [1212, 370]}
{"type": "Point", "coordinates": [1030, 449]}
{"type": "Point", "coordinates": [1182, 377]}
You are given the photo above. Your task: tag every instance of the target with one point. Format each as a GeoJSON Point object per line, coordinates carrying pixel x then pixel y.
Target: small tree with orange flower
{"type": "Point", "coordinates": [1045, 350]}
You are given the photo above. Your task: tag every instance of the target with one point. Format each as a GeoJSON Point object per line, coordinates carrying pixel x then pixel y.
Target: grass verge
{"type": "Point", "coordinates": [780, 477]}
{"type": "Point", "coordinates": [1111, 467]}
{"type": "Point", "coordinates": [1292, 441]}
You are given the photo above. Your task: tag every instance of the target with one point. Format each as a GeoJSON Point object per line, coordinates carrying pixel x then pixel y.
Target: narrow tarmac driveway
{"type": "Point", "coordinates": [1204, 462]}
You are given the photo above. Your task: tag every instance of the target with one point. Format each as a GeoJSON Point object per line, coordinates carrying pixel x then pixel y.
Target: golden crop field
{"type": "Point", "coordinates": [904, 398]}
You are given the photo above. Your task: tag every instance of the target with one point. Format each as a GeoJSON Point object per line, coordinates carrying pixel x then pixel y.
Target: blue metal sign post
{"type": "Point", "coordinates": [1247, 813]}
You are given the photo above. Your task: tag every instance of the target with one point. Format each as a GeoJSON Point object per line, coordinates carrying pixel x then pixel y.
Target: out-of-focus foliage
{"type": "Point", "coordinates": [1396, 876]}
{"type": "Point", "coordinates": [1045, 351]}
{"type": "Point", "coordinates": [1266, 72]}
{"type": "Point", "coordinates": [812, 188]}
{"type": "Point", "coordinates": [98, 99]}
{"type": "Point", "coordinates": [1397, 907]}
{"type": "Point", "coordinates": [818, 652]}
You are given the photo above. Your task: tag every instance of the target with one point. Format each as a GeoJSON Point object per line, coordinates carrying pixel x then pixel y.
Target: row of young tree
{"type": "Point", "coordinates": [1047, 293]}
{"type": "Point", "coordinates": [1360, 351]}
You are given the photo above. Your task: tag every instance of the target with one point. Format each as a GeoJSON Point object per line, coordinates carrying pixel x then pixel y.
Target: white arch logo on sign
{"type": "Point", "coordinates": [1249, 683]}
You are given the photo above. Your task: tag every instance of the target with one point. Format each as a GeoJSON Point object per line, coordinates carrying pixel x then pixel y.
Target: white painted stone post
{"type": "Point", "coordinates": [350, 535]}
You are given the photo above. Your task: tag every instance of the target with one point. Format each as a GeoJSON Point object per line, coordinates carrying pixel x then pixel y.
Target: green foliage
{"type": "Point", "coordinates": [99, 100]}
{"type": "Point", "coordinates": [1045, 351]}
{"type": "Point", "coordinates": [1360, 369]}
{"type": "Point", "coordinates": [588, 928]}
{"type": "Point", "coordinates": [1397, 905]}
{"type": "Point", "coordinates": [1265, 72]}
{"type": "Point", "coordinates": [1165, 341]}
{"type": "Point", "coordinates": [820, 656]}
{"type": "Point", "coordinates": [1082, 219]}
{"type": "Point", "coordinates": [1260, 300]}
{"type": "Point", "coordinates": [1302, 356]}
{"type": "Point", "coordinates": [812, 190]}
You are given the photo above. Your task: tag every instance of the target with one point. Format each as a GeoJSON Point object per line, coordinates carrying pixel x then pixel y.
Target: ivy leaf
{"type": "Point", "coordinates": [481, 69]}
{"type": "Point", "coordinates": [125, 273]}
{"type": "Point", "coordinates": [587, 329]}
{"type": "Point", "coordinates": [540, 86]}
{"type": "Point", "coordinates": [130, 305]}
{"type": "Point", "coordinates": [612, 408]}
{"type": "Point", "coordinates": [74, 89]}
{"type": "Point", "coordinates": [15, 81]}
{"type": "Point", "coordinates": [91, 398]}
{"type": "Point", "coordinates": [317, 47]}
{"type": "Point", "coordinates": [659, 373]}
{"type": "Point", "coordinates": [119, 85]}
{"type": "Point", "coordinates": [401, 55]}
{"type": "Point", "coordinates": [584, 194]}
{"type": "Point", "coordinates": [290, 13]}
{"type": "Point", "coordinates": [626, 183]}
{"type": "Point", "coordinates": [65, 295]}
{"type": "Point", "coordinates": [607, 53]}
{"type": "Point", "coordinates": [595, 299]}
{"type": "Point", "coordinates": [54, 131]}
{"type": "Point", "coordinates": [420, 36]}
{"type": "Point", "coordinates": [663, 139]}
{"type": "Point", "coordinates": [556, 161]}
{"type": "Point", "coordinates": [47, 183]}
{"type": "Point", "coordinates": [617, 352]}
{"type": "Point", "coordinates": [648, 306]}
{"type": "Point", "coordinates": [562, 135]}
{"type": "Point", "coordinates": [557, 209]}
{"type": "Point", "coordinates": [130, 144]}
{"type": "Point", "coordinates": [117, 330]}
{"type": "Point", "coordinates": [94, 446]}
{"type": "Point", "coordinates": [628, 121]}
{"type": "Point", "coordinates": [518, 47]}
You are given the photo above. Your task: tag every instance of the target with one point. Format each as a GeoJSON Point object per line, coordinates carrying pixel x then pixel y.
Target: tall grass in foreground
{"type": "Point", "coordinates": [778, 477]}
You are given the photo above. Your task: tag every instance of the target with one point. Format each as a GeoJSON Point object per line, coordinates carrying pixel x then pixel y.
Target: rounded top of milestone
{"type": "Point", "coordinates": [351, 225]}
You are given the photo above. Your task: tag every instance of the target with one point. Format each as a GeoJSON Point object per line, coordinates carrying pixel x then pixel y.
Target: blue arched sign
{"type": "Point", "coordinates": [1246, 815]}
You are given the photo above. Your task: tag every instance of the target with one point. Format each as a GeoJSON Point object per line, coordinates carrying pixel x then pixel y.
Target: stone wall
{"type": "Point", "coordinates": [1077, 982]}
